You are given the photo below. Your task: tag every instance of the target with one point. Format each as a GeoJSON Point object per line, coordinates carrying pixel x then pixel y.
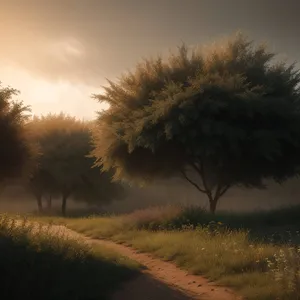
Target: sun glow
{"type": "Point", "coordinates": [52, 96]}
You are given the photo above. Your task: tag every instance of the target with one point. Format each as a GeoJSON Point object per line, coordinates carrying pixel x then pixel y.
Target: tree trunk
{"type": "Point", "coordinates": [213, 191]}
{"type": "Point", "coordinates": [212, 205]}
{"type": "Point", "coordinates": [39, 203]}
{"type": "Point", "coordinates": [49, 203]}
{"type": "Point", "coordinates": [64, 205]}
{"type": "Point", "coordinates": [215, 196]}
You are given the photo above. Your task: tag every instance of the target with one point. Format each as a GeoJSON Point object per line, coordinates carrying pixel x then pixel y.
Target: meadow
{"type": "Point", "coordinates": [37, 263]}
{"type": "Point", "coordinates": [257, 254]}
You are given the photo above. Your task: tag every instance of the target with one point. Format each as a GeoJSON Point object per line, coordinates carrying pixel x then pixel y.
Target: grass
{"type": "Point", "coordinates": [37, 263]}
{"type": "Point", "coordinates": [249, 253]}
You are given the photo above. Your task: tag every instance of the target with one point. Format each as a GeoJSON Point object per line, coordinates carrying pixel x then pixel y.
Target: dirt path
{"type": "Point", "coordinates": [183, 285]}
{"type": "Point", "coordinates": [160, 280]}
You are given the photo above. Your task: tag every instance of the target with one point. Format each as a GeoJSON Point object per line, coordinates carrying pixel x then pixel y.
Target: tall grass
{"type": "Point", "coordinates": [37, 263]}
{"type": "Point", "coordinates": [285, 268]}
{"type": "Point", "coordinates": [249, 252]}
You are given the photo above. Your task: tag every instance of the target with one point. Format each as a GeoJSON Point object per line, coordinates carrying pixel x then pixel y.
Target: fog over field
{"type": "Point", "coordinates": [174, 191]}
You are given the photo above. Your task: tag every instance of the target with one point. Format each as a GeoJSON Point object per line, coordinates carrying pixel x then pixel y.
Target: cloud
{"type": "Point", "coordinates": [65, 49]}
{"type": "Point", "coordinates": [74, 40]}
{"type": "Point", "coordinates": [58, 41]}
{"type": "Point", "coordinates": [84, 42]}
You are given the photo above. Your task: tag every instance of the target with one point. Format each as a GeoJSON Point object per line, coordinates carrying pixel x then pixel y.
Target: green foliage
{"type": "Point", "coordinates": [97, 188]}
{"type": "Point", "coordinates": [279, 226]}
{"type": "Point", "coordinates": [16, 152]}
{"type": "Point", "coordinates": [225, 117]}
{"type": "Point", "coordinates": [42, 263]}
{"type": "Point", "coordinates": [210, 248]}
{"type": "Point", "coordinates": [63, 167]}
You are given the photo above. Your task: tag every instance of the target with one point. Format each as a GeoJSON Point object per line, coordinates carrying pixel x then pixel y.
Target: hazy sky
{"type": "Point", "coordinates": [59, 52]}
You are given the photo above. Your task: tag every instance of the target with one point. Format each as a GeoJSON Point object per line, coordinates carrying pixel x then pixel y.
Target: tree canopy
{"type": "Point", "coordinates": [16, 152]}
{"type": "Point", "coordinates": [220, 117]}
{"type": "Point", "coordinates": [63, 167]}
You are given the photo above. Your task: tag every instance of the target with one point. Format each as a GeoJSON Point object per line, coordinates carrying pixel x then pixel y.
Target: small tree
{"type": "Point", "coordinates": [64, 168]}
{"type": "Point", "coordinates": [42, 184]}
{"type": "Point", "coordinates": [16, 152]}
{"type": "Point", "coordinates": [220, 118]}
{"type": "Point", "coordinates": [97, 188]}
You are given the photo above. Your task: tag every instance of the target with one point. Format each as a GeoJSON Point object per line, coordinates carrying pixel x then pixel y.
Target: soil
{"type": "Point", "coordinates": [160, 280]}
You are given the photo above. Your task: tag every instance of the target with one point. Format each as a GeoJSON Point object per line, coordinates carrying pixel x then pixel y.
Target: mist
{"type": "Point", "coordinates": [169, 192]}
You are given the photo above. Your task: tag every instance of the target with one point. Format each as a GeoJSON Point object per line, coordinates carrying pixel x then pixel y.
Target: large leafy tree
{"type": "Point", "coordinates": [16, 152]}
{"type": "Point", "coordinates": [222, 117]}
{"type": "Point", "coordinates": [63, 167]}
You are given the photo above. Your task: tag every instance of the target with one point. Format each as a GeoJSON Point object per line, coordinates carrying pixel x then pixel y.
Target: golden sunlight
{"type": "Point", "coordinates": [50, 96]}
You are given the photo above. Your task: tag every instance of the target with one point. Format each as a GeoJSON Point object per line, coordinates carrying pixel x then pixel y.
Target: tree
{"type": "Point", "coordinates": [225, 117]}
{"type": "Point", "coordinates": [41, 184]}
{"type": "Point", "coordinates": [64, 168]}
{"type": "Point", "coordinates": [16, 152]}
{"type": "Point", "coordinates": [96, 188]}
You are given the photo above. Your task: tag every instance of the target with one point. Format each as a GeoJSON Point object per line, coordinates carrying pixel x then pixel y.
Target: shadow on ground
{"type": "Point", "coordinates": [54, 273]}
{"type": "Point", "coordinates": [148, 288]}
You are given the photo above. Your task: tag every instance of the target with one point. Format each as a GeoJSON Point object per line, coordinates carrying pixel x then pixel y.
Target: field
{"type": "Point", "coordinates": [247, 252]}
{"type": "Point", "coordinates": [37, 263]}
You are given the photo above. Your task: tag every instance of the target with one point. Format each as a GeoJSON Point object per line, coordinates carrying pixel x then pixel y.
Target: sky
{"type": "Point", "coordinates": [60, 52]}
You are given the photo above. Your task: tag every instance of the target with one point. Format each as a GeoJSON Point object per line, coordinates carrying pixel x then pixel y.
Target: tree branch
{"type": "Point", "coordinates": [224, 190]}
{"type": "Point", "coordinates": [201, 172]}
{"type": "Point", "coordinates": [193, 183]}
{"type": "Point", "coordinates": [217, 196]}
{"type": "Point", "coordinates": [220, 192]}
{"type": "Point", "coordinates": [193, 164]}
